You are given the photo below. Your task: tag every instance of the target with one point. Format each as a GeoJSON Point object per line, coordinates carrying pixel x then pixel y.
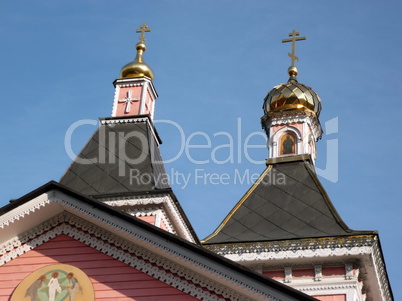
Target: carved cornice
{"type": "Point", "coordinates": [346, 249]}
{"type": "Point", "coordinates": [125, 120]}
{"type": "Point", "coordinates": [310, 244]}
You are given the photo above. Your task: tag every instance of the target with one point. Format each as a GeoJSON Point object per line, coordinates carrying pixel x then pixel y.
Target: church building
{"type": "Point", "coordinates": [97, 234]}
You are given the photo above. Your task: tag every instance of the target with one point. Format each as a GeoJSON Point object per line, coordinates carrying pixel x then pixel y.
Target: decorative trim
{"type": "Point", "coordinates": [299, 117]}
{"type": "Point", "coordinates": [317, 272]}
{"type": "Point", "coordinates": [288, 274]}
{"type": "Point", "coordinates": [264, 254]}
{"type": "Point", "coordinates": [126, 252]}
{"type": "Point", "coordinates": [124, 120]}
{"type": "Point", "coordinates": [317, 247]}
{"type": "Point", "coordinates": [133, 119]}
{"type": "Point", "coordinates": [160, 215]}
{"type": "Point", "coordinates": [176, 221]}
{"type": "Point", "coordinates": [349, 271]}
{"type": "Point", "coordinates": [25, 209]}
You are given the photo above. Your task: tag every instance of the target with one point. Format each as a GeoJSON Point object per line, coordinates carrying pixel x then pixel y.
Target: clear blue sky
{"type": "Point", "coordinates": [214, 62]}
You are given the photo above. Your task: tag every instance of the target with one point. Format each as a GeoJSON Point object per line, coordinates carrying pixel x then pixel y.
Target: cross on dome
{"type": "Point", "coordinates": [293, 39]}
{"type": "Point", "coordinates": [143, 29]}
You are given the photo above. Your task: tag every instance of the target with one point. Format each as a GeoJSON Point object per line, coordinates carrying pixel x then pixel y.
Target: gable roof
{"type": "Point", "coordinates": [51, 199]}
{"type": "Point", "coordinates": [286, 202]}
{"type": "Point", "coordinates": [122, 156]}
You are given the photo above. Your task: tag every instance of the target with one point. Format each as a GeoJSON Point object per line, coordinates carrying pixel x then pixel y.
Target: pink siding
{"type": "Point", "coordinates": [277, 275]}
{"type": "Point", "coordinates": [331, 298]}
{"type": "Point", "coordinates": [303, 273]}
{"type": "Point", "coordinates": [333, 271]}
{"type": "Point", "coordinates": [148, 219]}
{"type": "Point", "coordinates": [112, 279]}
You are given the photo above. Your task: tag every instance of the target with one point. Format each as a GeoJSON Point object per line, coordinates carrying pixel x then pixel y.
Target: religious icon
{"type": "Point", "coordinates": [54, 286]}
{"type": "Point", "coordinates": [73, 288]}
{"type": "Point", "coordinates": [287, 146]}
{"type": "Point", "coordinates": [32, 291]}
{"type": "Point", "coordinates": [60, 282]}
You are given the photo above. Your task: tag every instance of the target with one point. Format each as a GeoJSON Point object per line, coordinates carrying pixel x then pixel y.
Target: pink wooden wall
{"type": "Point", "coordinates": [112, 279]}
{"type": "Point", "coordinates": [331, 298]}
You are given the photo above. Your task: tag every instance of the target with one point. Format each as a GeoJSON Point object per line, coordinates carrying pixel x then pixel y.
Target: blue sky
{"type": "Point", "coordinates": [214, 62]}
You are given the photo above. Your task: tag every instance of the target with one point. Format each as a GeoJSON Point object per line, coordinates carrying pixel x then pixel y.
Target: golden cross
{"type": "Point", "coordinates": [292, 55]}
{"type": "Point", "coordinates": [143, 29]}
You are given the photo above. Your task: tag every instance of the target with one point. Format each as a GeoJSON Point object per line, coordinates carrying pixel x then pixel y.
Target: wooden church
{"type": "Point", "coordinates": [97, 234]}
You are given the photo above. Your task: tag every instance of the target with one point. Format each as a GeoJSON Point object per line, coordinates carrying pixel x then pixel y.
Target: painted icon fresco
{"type": "Point", "coordinates": [287, 144]}
{"type": "Point", "coordinates": [60, 282]}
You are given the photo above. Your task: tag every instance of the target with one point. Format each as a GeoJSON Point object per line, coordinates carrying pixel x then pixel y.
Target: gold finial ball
{"type": "Point", "coordinates": [140, 46]}
{"type": "Point", "coordinates": [292, 71]}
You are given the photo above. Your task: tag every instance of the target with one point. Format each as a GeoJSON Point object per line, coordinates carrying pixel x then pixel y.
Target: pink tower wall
{"type": "Point", "coordinates": [111, 279]}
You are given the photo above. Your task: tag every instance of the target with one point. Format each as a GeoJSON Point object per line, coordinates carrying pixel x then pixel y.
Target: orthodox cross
{"type": "Point", "coordinates": [143, 29]}
{"type": "Point", "coordinates": [293, 39]}
{"type": "Point", "coordinates": [128, 100]}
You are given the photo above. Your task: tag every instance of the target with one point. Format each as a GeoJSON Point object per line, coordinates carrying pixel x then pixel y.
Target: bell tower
{"type": "Point", "coordinates": [135, 93]}
{"type": "Point", "coordinates": [291, 113]}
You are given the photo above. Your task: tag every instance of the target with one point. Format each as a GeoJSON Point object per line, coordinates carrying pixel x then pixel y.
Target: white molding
{"type": "Point", "coordinates": [160, 216]}
{"type": "Point", "coordinates": [124, 120]}
{"type": "Point", "coordinates": [350, 289]}
{"type": "Point", "coordinates": [176, 220]}
{"type": "Point", "coordinates": [132, 119]}
{"type": "Point", "coordinates": [25, 209]}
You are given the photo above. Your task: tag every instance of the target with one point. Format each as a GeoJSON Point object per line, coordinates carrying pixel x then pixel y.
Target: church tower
{"type": "Point", "coordinates": [285, 226]}
{"type": "Point", "coordinates": [121, 164]}
{"type": "Point", "coordinates": [134, 91]}
{"type": "Point", "coordinates": [291, 112]}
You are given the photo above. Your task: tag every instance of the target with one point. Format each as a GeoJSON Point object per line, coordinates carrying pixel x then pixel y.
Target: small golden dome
{"type": "Point", "coordinates": [292, 96]}
{"type": "Point", "coordinates": [138, 67]}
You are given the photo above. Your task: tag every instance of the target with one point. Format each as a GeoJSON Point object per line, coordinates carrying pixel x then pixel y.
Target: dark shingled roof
{"type": "Point", "coordinates": [287, 202]}
{"type": "Point", "coordinates": [120, 157]}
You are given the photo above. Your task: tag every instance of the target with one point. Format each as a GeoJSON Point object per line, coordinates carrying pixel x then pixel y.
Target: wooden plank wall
{"type": "Point", "coordinates": [111, 279]}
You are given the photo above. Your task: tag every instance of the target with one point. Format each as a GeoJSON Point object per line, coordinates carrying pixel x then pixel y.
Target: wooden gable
{"type": "Point", "coordinates": [111, 278]}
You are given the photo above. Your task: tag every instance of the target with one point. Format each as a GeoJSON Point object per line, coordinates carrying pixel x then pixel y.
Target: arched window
{"type": "Point", "coordinates": [288, 144]}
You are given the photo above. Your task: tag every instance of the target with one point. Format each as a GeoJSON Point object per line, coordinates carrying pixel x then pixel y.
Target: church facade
{"type": "Point", "coordinates": [98, 235]}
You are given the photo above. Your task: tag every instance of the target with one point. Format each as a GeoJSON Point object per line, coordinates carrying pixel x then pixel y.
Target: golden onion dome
{"type": "Point", "coordinates": [292, 96]}
{"type": "Point", "coordinates": [138, 67]}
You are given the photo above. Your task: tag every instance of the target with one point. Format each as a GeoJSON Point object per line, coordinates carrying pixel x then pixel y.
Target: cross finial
{"type": "Point", "coordinates": [143, 29]}
{"type": "Point", "coordinates": [293, 39]}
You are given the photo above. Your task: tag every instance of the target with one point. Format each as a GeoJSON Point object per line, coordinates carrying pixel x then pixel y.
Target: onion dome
{"type": "Point", "coordinates": [292, 96]}
{"type": "Point", "coordinates": [137, 68]}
